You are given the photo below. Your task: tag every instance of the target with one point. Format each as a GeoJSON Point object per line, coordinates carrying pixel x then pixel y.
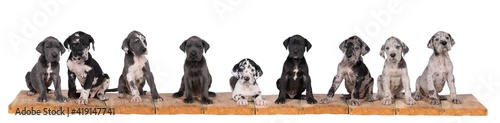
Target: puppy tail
{"type": "Point", "coordinates": [111, 90]}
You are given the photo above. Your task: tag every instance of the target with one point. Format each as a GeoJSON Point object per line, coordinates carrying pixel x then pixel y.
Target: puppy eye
{"type": "Point", "coordinates": [397, 47]}
{"type": "Point", "coordinates": [447, 38]}
{"type": "Point", "coordinates": [356, 47]}
{"type": "Point", "coordinates": [436, 39]}
{"type": "Point", "coordinates": [188, 45]}
{"type": "Point", "coordinates": [387, 48]}
{"type": "Point", "coordinates": [253, 70]}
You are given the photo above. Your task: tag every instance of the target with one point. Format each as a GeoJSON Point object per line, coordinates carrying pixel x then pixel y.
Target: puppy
{"type": "Point", "coordinates": [358, 81]}
{"type": "Point", "coordinates": [196, 78]}
{"type": "Point", "coordinates": [439, 69]}
{"type": "Point", "coordinates": [46, 70]}
{"type": "Point", "coordinates": [81, 65]}
{"type": "Point", "coordinates": [394, 76]}
{"type": "Point", "coordinates": [295, 77]}
{"type": "Point", "coordinates": [136, 69]}
{"type": "Point", "coordinates": [244, 83]}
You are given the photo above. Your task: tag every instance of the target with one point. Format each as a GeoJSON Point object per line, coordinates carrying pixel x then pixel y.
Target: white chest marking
{"type": "Point", "coordinates": [296, 70]}
{"type": "Point", "coordinates": [80, 70]}
{"type": "Point", "coordinates": [245, 89]}
{"type": "Point", "coordinates": [135, 71]}
{"type": "Point", "coordinates": [49, 70]}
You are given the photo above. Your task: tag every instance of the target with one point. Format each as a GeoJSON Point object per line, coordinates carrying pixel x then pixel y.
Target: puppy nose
{"type": "Point", "coordinates": [193, 53]}
{"type": "Point", "coordinates": [54, 55]}
{"type": "Point", "coordinates": [348, 55]}
{"type": "Point", "coordinates": [443, 42]}
{"type": "Point", "coordinates": [393, 54]}
{"type": "Point", "coordinates": [144, 49]}
{"type": "Point", "coordinates": [246, 78]}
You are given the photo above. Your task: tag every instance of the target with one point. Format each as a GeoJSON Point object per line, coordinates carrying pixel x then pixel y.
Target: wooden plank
{"type": "Point", "coordinates": [124, 106]}
{"type": "Point", "coordinates": [224, 105]}
{"type": "Point", "coordinates": [337, 106]}
{"type": "Point", "coordinates": [291, 106]}
{"type": "Point", "coordinates": [422, 107]}
{"type": "Point", "coordinates": [23, 101]}
{"type": "Point", "coordinates": [470, 106]}
{"type": "Point", "coordinates": [171, 105]}
{"type": "Point", "coordinates": [371, 108]}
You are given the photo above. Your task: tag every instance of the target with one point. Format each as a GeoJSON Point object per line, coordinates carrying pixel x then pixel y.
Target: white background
{"type": "Point", "coordinates": [255, 29]}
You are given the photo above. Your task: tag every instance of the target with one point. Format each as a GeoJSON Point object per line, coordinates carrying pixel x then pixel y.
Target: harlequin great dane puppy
{"type": "Point", "coordinates": [81, 65]}
{"type": "Point", "coordinates": [244, 83]}
{"type": "Point", "coordinates": [358, 80]}
{"type": "Point", "coordinates": [438, 70]}
{"type": "Point", "coordinates": [196, 79]}
{"type": "Point", "coordinates": [136, 69]}
{"type": "Point", "coordinates": [46, 70]}
{"type": "Point", "coordinates": [394, 76]}
{"type": "Point", "coordinates": [295, 77]}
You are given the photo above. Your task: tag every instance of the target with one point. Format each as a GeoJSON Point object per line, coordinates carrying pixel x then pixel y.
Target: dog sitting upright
{"type": "Point", "coordinates": [46, 70]}
{"type": "Point", "coordinates": [136, 69]}
{"type": "Point", "coordinates": [439, 69]}
{"type": "Point", "coordinates": [81, 65]}
{"type": "Point", "coordinates": [196, 79]}
{"type": "Point", "coordinates": [358, 81]}
{"type": "Point", "coordinates": [394, 76]}
{"type": "Point", "coordinates": [295, 77]}
{"type": "Point", "coordinates": [244, 83]}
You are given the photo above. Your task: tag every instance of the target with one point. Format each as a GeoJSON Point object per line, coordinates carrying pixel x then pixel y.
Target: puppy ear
{"type": "Point", "coordinates": [430, 45]}
{"type": "Point", "coordinates": [145, 42]}
{"type": "Point", "coordinates": [235, 71]}
{"type": "Point", "coordinates": [61, 47]}
{"type": "Point", "coordinates": [259, 72]}
{"type": "Point", "coordinates": [125, 46]}
{"type": "Point", "coordinates": [91, 41]}
{"type": "Point", "coordinates": [451, 40]}
{"type": "Point", "coordinates": [67, 41]}
{"type": "Point", "coordinates": [285, 43]}
{"type": "Point", "coordinates": [342, 46]}
{"type": "Point", "coordinates": [405, 48]}
{"type": "Point", "coordinates": [183, 46]}
{"type": "Point", "coordinates": [308, 45]}
{"type": "Point", "coordinates": [205, 45]}
{"type": "Point", "coordinates": [364, 48]}
{"type": "Point", "coordinates": [382, 51]}
{"type": "Point", "coordinates": [39, 47]}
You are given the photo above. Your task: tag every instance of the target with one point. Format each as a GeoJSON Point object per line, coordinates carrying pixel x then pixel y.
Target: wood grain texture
{"type": "Point", "coordinates": [371, 108]}
{"type": "Point", "coordinates": [422, 107]}
{"type": "Point", "coordinates": [124, 106]}
{"type": "Point", "coordinates": [171, 105]}
{"type": "Point", "coordinates": [22, 101]}
{"type": "Point", "coordinates": [470, 106]}
{"type": "Point", "coordinates": [291, 106]}
{"type": "Point", "coordinates": [337, 106]}
{"type": "Point", "coordinates": [224, 105]}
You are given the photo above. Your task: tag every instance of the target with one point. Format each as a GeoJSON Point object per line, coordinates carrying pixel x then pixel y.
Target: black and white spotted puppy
{"type": "Point", "coordinates": [83, 67]}
{"type": "Point", "coordinates": [244, 83]}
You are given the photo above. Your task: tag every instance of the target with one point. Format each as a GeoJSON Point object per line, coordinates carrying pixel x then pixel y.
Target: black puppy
{"type": "Point", "coordinates": [81, 65]}
{"type": "Point", "coordinates": [46, 70]}
{"type": "Point", "coordinates": [295, 77]}
{"type": "Point", "coordinates": [196, 78]}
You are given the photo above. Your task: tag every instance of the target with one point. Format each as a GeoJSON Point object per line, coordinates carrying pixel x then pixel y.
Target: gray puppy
{"type": "Point", "coordinates": [46, 70]}
{"type": "Point", "coordinates": [196, 78]}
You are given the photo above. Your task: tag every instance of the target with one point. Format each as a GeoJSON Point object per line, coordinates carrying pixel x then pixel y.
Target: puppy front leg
{"type": "Point", "coordinates": [71, 85]}
{"type": "Point", "coordinates": [83, 100]}
{"type": "Point", "coordinates": [453, 93]}
{"type": "Point", "coordinates": [386, 84]}
{"type": "Point", "coordinates": [151, 82]}
{"type": "Point", "coordinates": [355, 92]}
{"type": "Point", "coordinates": [206, 85]}
{"type": "Point", "coordinates": [282, 83]}
{"type": "Point", "coordinates": [433, 100]}
{"type": "Point", "coordinates": [57, 86]}
{"type": "Point", "coordinates": [309, 94]}
{"type": "Point", "coordinates": [136, 96]}
{"type": "Point", "coordinates": [406, 85]}
{"type": "Point", "coordinates": [259, 100]}
{"type": "Point", "coordinates": [42, 96]}
{"type": "Point", "coordinates": [335, 85]}
{"type": "Point", "coordinates": [239, 98]}
{"type": "Point", "coordinates": [188, 90]}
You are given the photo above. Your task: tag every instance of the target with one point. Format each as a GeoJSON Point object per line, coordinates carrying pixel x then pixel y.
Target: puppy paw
{"type": "Point", "coordinates": [370, 99]}
{"type": "Point", "coordinates": [31, 93]}
{"type": "Point", "coordinates": [242, 102]}
{"type": "Point", "coordinates": [417, 97]}
{"type": "Point", "coordinates": [280, 100]}
{"type": "Point", "coordinates": [410, 101]}
{"type": "Point", "coordinates": [121, 95]}
{"type": "Point", "coordinates": [456, 101]}
{"type": "Point", "coordinates": [434, 101]}
{"type": "Point", "coordinates": [82, 101]}
{"type": "Point", "coordinates": [188, 100]}
{"type": "Point", "coordinates": [72, 95]}
{"type": "Point", "coordinates": [177, 95]}
{"type": "Point", "coordinates": [136, 99]}
{"type": "Point", "coordinates": [386, 101]}
{"type": "Point", "coordinates": [354, 102]}
{"type": "Point", "coordinates": [61, 99]}
{"type": "Point", "coordinates": [211, 94]}
{"type": "Point", "coordinates": [157, 99]}
{"type": "Point", "coordinates": [311, 101]}
{"type": "Point", "coordinates": [42, 99]}
{"type": "Point", "coordinates": [206, 101]}
{"type": "Point", "coordinates": [260, 102]}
